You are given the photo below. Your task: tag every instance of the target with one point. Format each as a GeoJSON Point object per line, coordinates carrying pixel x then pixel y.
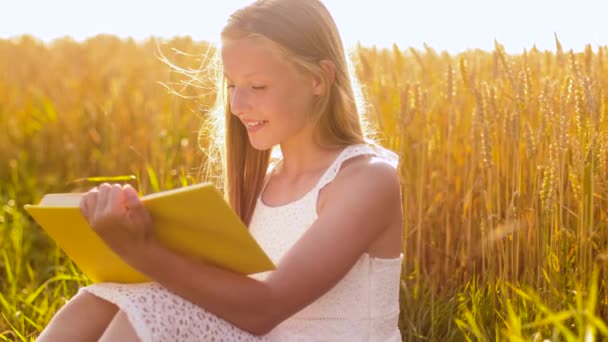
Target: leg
{"type": "Point", "coordinates": [83, 318]}
{"type": "Point", "coordinates": [120, 329]}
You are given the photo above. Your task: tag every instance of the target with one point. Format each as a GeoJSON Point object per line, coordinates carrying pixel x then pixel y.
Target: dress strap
{"type": "Point", "coordinates": [352, 151]}
{"type": "Point", "coordinates": [269, 171]}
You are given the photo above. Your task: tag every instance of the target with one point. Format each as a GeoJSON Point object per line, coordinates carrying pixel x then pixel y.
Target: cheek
{"type": "Point", "coordinates": [298, 104]}
{"type": "Point", "coordinates": [296, 110]}
{"type": "Point", "coordinates": [282, 105]}
{"type": "Point", "coordinates": [289, 104]}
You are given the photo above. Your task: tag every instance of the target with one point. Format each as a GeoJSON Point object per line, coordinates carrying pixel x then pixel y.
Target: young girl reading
{"type": "Point", "coordinates": [328, 213]}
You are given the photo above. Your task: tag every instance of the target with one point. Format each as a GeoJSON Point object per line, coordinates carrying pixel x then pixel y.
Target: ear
{"type": "Point", "coordinates": [328, 68]}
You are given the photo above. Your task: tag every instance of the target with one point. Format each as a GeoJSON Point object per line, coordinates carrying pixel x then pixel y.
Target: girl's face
{"type": "Point", "coordinates": [268, 94]}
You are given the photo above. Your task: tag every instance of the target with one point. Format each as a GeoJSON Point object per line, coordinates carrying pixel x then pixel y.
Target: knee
{"type": "Point", "coordinates": [87, 299]}
{"type": "Point", "coordinates": [84, 315]}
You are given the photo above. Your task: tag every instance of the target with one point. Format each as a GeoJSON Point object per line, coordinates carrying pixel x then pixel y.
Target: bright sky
{"type": "Point", "coordinates": [452, 25]}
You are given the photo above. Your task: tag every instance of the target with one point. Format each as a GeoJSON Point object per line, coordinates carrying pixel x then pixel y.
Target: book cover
{"type": "Point", "coordinates": [194, 221]}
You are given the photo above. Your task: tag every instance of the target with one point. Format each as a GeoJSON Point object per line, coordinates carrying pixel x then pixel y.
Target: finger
{"type": "Point", "coordinates": [103, 198]}
{"type": "Point", "coordinates": [83, 205]}
{"type": "Point", "coordinates": [131, 197]}
{"type": "Point", "coordinates": [136, 209]}
{"type": "Point", "coordinates": [125, 198]}
{"type": "Point", "coordinates": [89, 203]}
{"type": "Point", "coordinates": [116, 199]}
{"type": "Point", "coordinates": [130, 193]}
{"type": "Point", "coordinates": [84, 201]}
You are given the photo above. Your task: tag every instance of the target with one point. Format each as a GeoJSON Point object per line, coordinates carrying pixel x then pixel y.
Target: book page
{"type": "Point", "coordinates": [61, 200]}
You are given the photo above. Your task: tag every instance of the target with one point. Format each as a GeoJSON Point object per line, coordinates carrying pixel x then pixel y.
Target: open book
{"type": "Point", "coordinates": [194, 220]}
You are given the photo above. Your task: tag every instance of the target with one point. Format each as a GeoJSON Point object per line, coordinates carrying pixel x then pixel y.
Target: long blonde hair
{"type": "Point", "coordinates": [305, 33]}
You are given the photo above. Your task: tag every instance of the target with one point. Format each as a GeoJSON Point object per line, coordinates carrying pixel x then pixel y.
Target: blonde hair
{"type": "Point", "coordinates": [305, 33]}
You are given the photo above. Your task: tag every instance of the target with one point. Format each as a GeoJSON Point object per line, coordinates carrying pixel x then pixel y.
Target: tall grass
{"type": "Point", "coordinates": [503, 162]}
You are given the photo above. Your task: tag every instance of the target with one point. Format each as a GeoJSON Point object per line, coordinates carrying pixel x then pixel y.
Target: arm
{"type": "Point", "coordinates": [364, 200]}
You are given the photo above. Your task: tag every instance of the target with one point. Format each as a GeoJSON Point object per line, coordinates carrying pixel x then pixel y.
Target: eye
{"type": "Point", "coordinates": [262, 87]}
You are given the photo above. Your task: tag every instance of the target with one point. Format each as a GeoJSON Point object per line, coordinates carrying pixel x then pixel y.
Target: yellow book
{"type": "Point", "coordinates": [194, 220]}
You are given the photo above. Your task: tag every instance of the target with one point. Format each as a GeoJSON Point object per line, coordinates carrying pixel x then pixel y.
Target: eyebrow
{"type": "Point", "coordinates": [247, 75]}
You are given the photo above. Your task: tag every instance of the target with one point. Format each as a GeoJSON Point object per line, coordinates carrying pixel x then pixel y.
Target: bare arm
{"type": "Point", "coordinates": [363, 201]}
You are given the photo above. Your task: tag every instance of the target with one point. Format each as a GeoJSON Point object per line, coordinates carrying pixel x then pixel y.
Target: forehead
{"type": "Point", "coordinates": [245, 56]}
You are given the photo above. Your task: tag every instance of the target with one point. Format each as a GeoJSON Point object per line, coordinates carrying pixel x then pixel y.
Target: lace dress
{"type": "Point", "coordinates": [362, 306]}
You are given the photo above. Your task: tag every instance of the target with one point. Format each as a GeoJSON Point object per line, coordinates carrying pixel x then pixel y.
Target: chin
{"type": "Point", "coordinates": [261, 145]}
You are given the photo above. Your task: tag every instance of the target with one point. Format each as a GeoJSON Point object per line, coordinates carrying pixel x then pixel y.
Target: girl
{"type": "Point", "coordinates": [328, 213]}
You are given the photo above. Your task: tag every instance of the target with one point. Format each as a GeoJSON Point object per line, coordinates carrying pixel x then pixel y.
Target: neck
{"type": "Point", "coordinates": [302, 159]}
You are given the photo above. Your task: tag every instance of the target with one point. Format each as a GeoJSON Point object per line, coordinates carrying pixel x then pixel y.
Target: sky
{"type": "Point", "coordinates": [453, 26]}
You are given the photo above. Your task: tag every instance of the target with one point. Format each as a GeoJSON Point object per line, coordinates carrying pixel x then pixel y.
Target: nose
{"type": "Point", "coordinates": [239, 103]}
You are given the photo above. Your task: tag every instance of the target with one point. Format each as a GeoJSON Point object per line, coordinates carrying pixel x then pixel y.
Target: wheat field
{"type": "Point", "coordinates": [503, 161]}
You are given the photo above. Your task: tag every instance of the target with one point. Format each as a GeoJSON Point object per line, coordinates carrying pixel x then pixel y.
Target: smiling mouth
{"type": "Point", "coordinates": [253, 126]}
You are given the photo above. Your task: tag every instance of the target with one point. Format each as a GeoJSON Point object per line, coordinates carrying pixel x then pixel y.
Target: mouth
{"type": "Point", "coordinates": [253, 126]}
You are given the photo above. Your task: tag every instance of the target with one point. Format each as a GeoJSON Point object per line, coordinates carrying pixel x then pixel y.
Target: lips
{"type": "Point", "coordinates": [254, 125]}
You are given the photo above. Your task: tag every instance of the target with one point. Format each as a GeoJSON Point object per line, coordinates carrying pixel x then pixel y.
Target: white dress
{"type": "Point", "coordinates": [363, 306]}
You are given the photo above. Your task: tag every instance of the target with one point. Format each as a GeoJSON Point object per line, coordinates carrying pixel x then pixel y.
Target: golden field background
{"type": "Point", "coordinates": [503, 163]}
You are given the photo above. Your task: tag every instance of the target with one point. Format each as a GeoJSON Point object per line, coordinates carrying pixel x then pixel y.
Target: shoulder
{"type": "Point", "coordinates": [368, 183]}
{"type": "Point", "coordinates": [372, 158]}
{"type": "Point", "coordinates": [374, 161]}
{"type": "Point", "coordinates": [369, 169]}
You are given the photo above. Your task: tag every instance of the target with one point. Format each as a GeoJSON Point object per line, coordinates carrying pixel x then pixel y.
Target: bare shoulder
{"type": "Point", "coordinates": [376, 184]}
{"type": "Point", "coordinates": [373, 180]}
{"type": "Point", "coordinates": [370, 173]}
{"type": "Point", "coordinates": [360, 167]}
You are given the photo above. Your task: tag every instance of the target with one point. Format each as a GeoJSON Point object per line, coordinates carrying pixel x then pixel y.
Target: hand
{"type": "Point", "coordinates": [117, 215]}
